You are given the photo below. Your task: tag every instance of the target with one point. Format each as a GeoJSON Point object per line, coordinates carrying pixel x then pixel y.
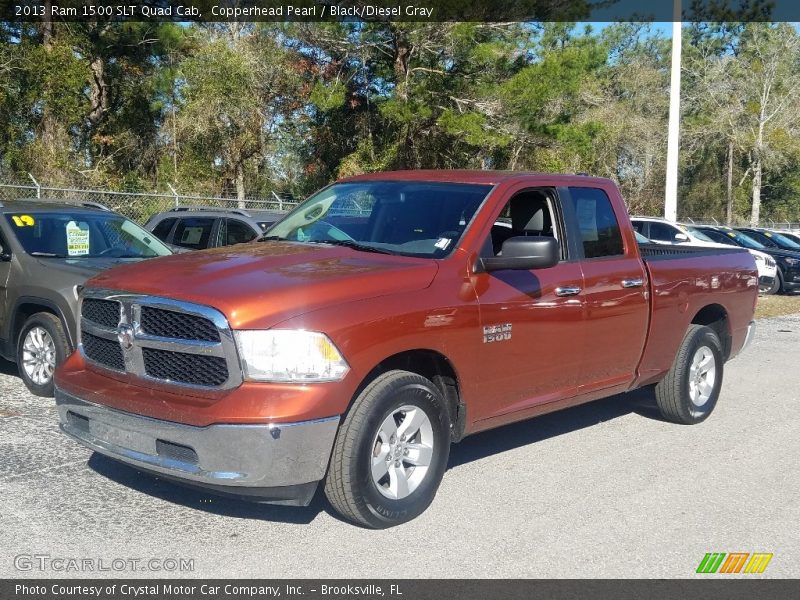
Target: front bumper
{"type": "Point", "coordinates": [765, 282]}
{"type": "Point", "coordinates": [279, 462]}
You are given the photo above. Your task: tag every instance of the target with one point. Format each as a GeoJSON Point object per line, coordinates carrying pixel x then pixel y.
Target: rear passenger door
{"type": "Point", "coordinates": [614, 291]}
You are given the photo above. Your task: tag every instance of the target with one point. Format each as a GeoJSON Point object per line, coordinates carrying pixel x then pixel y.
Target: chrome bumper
{"type": "Point", "coordinates": [751, 331]}
{"type": "Point", "coordinates": [249, 460]}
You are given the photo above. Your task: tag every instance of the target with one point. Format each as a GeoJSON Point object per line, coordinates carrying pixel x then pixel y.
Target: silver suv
{"type": "Point", "coordinates": [198, 227]}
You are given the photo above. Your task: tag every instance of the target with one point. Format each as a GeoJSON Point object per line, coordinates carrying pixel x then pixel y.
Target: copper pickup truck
{"type": "Point", "coordinates": [384, 318]}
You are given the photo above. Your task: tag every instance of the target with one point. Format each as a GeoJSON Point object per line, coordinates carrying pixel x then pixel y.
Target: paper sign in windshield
{"type": "Point", "coordinates": [77, 239]}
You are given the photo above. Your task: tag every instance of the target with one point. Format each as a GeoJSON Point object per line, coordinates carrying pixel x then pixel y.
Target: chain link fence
{"type": "Point", "coordinates": [140, 206]}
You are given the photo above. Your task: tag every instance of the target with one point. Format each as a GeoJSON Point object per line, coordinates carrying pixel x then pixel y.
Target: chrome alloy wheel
{"type": "Point", "coordinates": [402, 452]}
{"type": "Point", "coordinates": [702, 376]}
{"type": "Point", "coordinates": [39, 356]}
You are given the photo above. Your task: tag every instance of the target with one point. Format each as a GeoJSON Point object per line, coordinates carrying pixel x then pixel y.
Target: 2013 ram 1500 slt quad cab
{"type": "Point", "coordinates": [386, 317]}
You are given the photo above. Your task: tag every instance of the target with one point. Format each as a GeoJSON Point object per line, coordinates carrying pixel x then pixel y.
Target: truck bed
{"type": "Point", "coordinates": [684, 280]}
{"type": "Point", "coordinates": [651, 252]}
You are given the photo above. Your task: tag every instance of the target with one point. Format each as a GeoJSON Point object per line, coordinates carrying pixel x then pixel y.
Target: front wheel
{"type": "Point", "coordinates": [689, 392]}
{"type": "Point", "coordinates": [42, 346]}
{"type": "Point", "coordinates": [775, 287]}
{"type": "Point", "coordinates": [391, 451]}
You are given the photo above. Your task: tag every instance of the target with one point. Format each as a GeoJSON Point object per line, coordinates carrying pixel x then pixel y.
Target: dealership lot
{"type": "Point", "coordinates": [602, 490]}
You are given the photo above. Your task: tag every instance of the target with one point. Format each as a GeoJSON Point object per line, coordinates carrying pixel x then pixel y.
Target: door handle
{"type": "Point", "coordinates": [632, 283]}
{"type": "Point", "coordinates": [568, 291]}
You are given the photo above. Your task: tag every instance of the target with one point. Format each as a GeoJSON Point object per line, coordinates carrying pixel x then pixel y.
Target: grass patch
{"type": "Point", "coordinates": [776, 306]}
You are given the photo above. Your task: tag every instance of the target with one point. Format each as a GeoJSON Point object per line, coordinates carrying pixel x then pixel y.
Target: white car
{"type": "Point", "coordinates": [661, 231]}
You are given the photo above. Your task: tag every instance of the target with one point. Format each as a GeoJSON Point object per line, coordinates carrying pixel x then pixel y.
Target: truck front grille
{"type": "Point", "coordinates": [180, 326]}
{"type": "Point", "coordinates": [102, 312]}
{"type": "Point", "coordinates": [103, 351]}
{"type": "Point", "coordinates": [159, 340]}
{"type": "Point", "coordinates": [194, 369]}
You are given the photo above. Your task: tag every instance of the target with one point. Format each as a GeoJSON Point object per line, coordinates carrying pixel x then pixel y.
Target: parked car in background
{"type": "Point", "coordinates": [787, 263]}
{"type": "Point", "coordinates": [792, 235]}
{"type": "Point", "coordinates": [47, 250]}
{"type": "Point", "coordinates": [771, 239]}
{"type": "Point", "coordinates": [661, 231]}
{"type": "Point", "coordinates": [198, 228]}
{"type": "Point", "coordinates": [386, 317]}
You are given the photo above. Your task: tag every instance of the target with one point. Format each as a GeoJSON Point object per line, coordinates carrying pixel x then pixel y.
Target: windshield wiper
{"type": "Point", "coordinates": [47, 254]}
{"type": "Point", "coordinates": [352, 244]}
{"type": "Point", "coordinates": [272, 238]}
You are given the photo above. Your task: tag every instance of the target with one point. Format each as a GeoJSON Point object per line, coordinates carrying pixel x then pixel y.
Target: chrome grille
{"type": "Point", "coordinates": [102, 312]}
{"type": "Point", "coordinates": [162, 341]}
{"type": "Point", "coordinates": [180, 326]}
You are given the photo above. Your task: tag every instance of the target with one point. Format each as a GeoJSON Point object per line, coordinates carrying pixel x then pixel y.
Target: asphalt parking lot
{"type": "Point", "coordinates": [602, 490]}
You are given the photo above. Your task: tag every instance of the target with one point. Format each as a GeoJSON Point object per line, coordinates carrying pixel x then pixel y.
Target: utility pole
{"type": "Point", "coordinates": [674, 127]}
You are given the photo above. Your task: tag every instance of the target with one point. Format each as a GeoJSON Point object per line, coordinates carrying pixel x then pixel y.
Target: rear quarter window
{"type": "Point", "coordinates": [600, 232]}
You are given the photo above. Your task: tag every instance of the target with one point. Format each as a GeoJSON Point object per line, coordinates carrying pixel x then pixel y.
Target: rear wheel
{"type": "Point", "coordinates": [689, 392]}
{"type": "Point", "coordinates": [42, 346]}
{"type": "Point", "coordinates": [391, 451]}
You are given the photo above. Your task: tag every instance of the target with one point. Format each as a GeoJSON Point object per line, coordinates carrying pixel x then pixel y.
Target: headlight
{"type": "Point", "coordinates": [758, 258]}
{"type": "Point", "coordinates": [792, 262]}
{"type": "Point", "coordinates": [289, 355]}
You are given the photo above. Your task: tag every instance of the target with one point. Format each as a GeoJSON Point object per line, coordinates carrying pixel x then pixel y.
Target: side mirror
{"type": "Point", "coordinates": [5, 255]}
{"type": "Point", "coordinates": [523, 253]}
{"type": "Point", "coordinates": [681, 237]}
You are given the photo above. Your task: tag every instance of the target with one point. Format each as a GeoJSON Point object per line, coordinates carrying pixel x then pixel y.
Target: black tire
{"type": "Point", "coordinates": [55, 329]}
{"type": "Point", "coordinates": [674, 392]}
{"type": "Point", "coordinates": [349, 484]}
{"type": "Point", "coordinates": [777, 284]}
{"type": "Point", "coordinates": [781, 289]}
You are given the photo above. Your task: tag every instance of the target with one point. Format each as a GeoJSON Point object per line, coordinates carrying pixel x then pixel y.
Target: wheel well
{"type": "Point", "coordinates": [433, 366]}
{"type": "Point", "coordinates": [23, 313]}
{"type": "Point", "coordinates": [716, 317]}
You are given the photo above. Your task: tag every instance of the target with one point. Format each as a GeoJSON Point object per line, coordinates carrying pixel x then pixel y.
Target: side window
{"type": "Point", "coordinates": [528, 213]}
{"type": "Point", "coordinates": [193, 232]}
{"type": "Point", "coordinates": [662, 232]}
{"type": "Point", "coordinates": [237, 232]}
{"type": "Point", "coordinates": [598, 224]}
{"type": "Point", "coordinates": [639, 226]}
{"type": "Point", "coordinates": [161, 231]}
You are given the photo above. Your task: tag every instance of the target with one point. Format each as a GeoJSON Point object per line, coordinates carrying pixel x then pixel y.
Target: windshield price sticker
{"type": "Point", "coordinates": [77, 239]}
{"type": "Point", "coordinates": [23, 220]}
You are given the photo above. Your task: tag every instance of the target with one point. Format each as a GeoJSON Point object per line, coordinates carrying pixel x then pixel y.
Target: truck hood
{"type": "Point", "coordinates": [83, 268]}
{"type": "Point", "coordinates": [258, 285]}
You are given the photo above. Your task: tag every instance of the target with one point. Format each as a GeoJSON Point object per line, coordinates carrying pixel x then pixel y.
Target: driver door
{"type": "Point", "coordinates": [532, 320]}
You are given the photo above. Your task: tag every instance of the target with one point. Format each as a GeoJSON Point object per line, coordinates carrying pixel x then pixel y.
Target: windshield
{"type": "Point", "coordinates": [83, 235]}
{"type": "Point", "coordinates": [696, 234]}
{"type": "Point", "coordinates": [745, 240]}
{"type": "Point", "coordinates": [410, 218]}
{"type": "Point", "coordinates": [782, 241]}
{"type": "Point", "coordinates": [640, 238]}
